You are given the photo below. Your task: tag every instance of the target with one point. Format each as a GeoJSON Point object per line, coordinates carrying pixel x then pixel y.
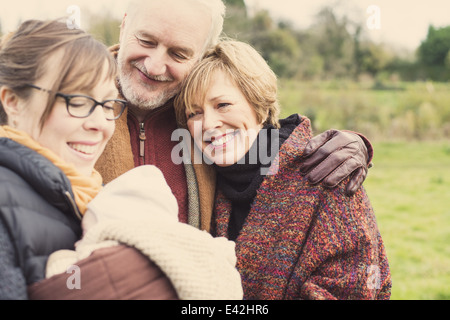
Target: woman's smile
{"type": "Point", "coordinates": [222, 141]}
{"type": "Point", "coordinates": [86, 149]}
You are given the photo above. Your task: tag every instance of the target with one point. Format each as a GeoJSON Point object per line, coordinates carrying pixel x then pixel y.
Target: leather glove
{"type": "Point", "coordinates": [334, 155]}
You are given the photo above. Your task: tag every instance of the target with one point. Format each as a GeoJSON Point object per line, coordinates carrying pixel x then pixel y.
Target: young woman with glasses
{"type": "Point", "coordinates": [50, 139]}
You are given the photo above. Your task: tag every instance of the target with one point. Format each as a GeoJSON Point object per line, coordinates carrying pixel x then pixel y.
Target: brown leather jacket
{"type": "Point", "coordinates": [115, 273]}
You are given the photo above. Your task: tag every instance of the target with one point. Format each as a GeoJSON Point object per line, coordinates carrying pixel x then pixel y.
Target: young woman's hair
{"type": "Point", "coordinates": [249, 71]}
{"type": "Point", "coordinates": [26, 55]}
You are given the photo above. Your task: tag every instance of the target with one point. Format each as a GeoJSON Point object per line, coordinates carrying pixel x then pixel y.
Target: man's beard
{"type": "Point", "coordinates": [139, 101]}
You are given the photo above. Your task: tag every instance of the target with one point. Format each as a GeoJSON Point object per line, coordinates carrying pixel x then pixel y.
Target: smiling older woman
{"type": "Point", "coordinates": [294, 240]}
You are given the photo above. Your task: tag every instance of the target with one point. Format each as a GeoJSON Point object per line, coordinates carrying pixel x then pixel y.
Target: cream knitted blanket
{"type": "Point", "coordinates": [199, 266]}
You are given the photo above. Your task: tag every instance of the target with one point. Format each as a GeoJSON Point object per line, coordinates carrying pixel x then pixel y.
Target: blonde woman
{"type": "Point", "coordinates": [294, 240]}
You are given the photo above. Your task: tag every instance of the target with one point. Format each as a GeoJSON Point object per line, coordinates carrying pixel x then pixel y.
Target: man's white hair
{"type": "Point", "coordinates": [216, 7]}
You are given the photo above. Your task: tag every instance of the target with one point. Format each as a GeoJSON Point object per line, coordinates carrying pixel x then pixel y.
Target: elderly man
{"type": "Point", "coordinates": [160, 41]}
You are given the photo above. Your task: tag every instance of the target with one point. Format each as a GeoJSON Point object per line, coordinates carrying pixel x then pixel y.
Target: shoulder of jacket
{"type": "Point", "coordinates": [36, 170]}
{"type": "Point", "coordinates": [292, 148]}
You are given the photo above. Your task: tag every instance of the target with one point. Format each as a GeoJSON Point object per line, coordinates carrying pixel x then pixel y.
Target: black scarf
{"type": "Point", "coordinates": [240, 182]}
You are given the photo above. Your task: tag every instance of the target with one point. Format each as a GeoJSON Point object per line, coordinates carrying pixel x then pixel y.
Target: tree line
{"type": "Point", "coordinates": [333, 47]}
{"type": "Point", "coordinates": [336, 47]}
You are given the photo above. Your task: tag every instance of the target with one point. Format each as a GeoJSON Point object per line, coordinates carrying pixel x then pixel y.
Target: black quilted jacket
{"type": "Point", "coordinates": [38, 216]}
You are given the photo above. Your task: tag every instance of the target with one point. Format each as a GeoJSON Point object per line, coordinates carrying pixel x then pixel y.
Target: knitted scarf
{"type": "Point", "coordinates": [84, 188]}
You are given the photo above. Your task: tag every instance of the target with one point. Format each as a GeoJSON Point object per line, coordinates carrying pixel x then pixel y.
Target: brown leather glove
{"type": "Point", "coordinates": [334, 155]}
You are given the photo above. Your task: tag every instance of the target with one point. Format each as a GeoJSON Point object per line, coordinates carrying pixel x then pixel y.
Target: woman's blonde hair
{"type": "Point", "coordinates": [25, 53]}
{"type": "Point", "coordinates": [249, 71]}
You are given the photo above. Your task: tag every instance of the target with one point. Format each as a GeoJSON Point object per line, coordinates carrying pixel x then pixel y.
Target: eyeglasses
{"type": "Point", "coordinates": [80, 106]}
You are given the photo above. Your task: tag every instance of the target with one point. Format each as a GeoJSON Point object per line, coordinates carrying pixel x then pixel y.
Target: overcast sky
{"type": "Point", "coordinates": [402, 22]}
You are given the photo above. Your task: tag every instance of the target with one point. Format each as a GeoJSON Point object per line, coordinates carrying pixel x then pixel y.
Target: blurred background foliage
{"type": "Point", "coordinates": [334, 46]}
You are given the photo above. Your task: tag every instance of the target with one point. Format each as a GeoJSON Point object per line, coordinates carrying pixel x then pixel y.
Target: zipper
{"type": "Point", "coordinates": [142, 139]}
{"type": "Point", "coordinates": [74, 205]}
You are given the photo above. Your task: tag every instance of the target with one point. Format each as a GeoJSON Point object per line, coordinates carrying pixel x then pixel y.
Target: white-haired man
{"type": "Point", "coordinates": [160, 42]}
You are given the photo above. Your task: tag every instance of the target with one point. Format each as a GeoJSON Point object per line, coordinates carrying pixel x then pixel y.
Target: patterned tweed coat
{"type": "Point", "coordinates": [306, 242]}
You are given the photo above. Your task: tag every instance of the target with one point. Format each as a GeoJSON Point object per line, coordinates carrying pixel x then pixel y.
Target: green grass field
{"type": "Point", "coordinates": [409, 187]}
{"type": "Point", "coordinates": [408, 111]}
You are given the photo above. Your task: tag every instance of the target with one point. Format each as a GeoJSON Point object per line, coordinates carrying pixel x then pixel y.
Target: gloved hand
{"type": "Point", "coordinates": [334, 155]}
